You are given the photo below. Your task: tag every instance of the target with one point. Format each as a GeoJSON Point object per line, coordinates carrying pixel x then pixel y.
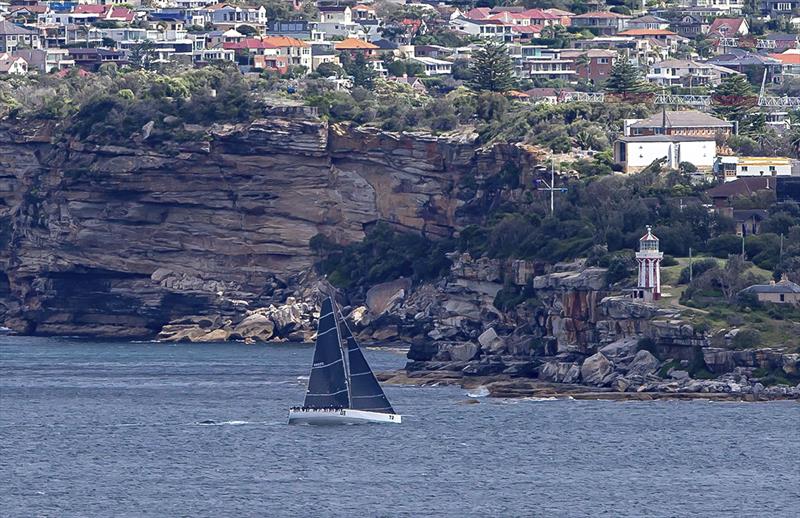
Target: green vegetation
{"type": "Point", "coordinates": [384, 255]}
{"type": "Point", "coordinates": [625, 78]}
{"type": "Point", "coordinates": [114, 105]}
{"type": "Point", "coordinates": [491, 68]}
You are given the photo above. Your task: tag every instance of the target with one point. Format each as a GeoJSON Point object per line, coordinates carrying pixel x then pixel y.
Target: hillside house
{"type": "Point", "coordinates": [729, 27]}
{"type": "Point", "coordinates": [603, 23]}
{"type": "Point", "coordinates": [781, 292]}
{"type": "Point", "coordinates": [731, 168]}
{"type": "Point", "coordinates": [12, 65]}
{"type": "Point", "coordinates": [636, 153]}
{"type": "Point", "coordinates": [592, 64]}
{"type": "Point", "coordinates": [13, 37]}
{"type": "Point", "coordinates": [685, 122]}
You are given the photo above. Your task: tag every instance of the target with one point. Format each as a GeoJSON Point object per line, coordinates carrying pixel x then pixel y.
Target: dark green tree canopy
{"type": "Point", "coordinates": [625, 78]}
{"type": "Point", "coordinates": [492, 69]}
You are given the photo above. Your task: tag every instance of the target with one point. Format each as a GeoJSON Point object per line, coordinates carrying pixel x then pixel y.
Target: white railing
{"type": "Point", "coordinates": [734, 42]}
{"type": "Point", "coordinates": [778, 102]}
{"type": "Point", "coordinates": [586, 97]}
{"type": "Point", "coordinates": [683, 100]}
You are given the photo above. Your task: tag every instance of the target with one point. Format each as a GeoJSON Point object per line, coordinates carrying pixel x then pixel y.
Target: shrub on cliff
{"type": "Point", "coordinates": [698, 268]}
{"type": "Point", "coordinates": [385, 254]}
{"type": "Point", "coordinates": [746, 339]}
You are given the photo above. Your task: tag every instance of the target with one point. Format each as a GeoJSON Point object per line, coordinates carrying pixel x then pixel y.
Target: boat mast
{"type": "Point", "coordinates": [345, 358]}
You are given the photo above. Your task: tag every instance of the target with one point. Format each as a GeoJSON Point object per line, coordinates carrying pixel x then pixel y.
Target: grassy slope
{"type": "Point", "coordinates": [774, 333]}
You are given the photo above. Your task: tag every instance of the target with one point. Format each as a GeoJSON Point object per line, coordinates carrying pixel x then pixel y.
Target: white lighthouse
{"type": "Point", "coordinates": [649, 259]}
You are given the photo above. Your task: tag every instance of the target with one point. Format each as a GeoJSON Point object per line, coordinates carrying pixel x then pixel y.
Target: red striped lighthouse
{"type": "Point", "coordinates": [649, 259]}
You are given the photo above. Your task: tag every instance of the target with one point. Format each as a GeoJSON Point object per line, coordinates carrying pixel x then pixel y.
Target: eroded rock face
{"type": "Point", "coordinates": [118, 240]}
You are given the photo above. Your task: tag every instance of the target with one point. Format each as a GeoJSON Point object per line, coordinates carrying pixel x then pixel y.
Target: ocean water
{"type": "Point", "coordinates": [116, 429]}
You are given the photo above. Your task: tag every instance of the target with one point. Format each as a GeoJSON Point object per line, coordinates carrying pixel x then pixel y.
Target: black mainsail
{"type": "Point", "coordinates": [327, 384]}
{"type": "Point", "coordinates": [365, 391]}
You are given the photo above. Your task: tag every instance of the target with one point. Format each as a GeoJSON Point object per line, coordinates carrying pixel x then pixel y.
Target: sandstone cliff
{"type": "Point", "coordinates": [117, 240]}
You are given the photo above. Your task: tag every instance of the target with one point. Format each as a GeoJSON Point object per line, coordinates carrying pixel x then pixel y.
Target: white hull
{"type": "Point", "coordinates": [341, 416]}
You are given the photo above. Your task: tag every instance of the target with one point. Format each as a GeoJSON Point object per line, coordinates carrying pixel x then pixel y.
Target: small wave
{"type": "Point", "coordinates": [302, 378]}
{"type": "Point", "coordinates": [551, 398]}
{"type": "Point", "coordinates": [479, 392]}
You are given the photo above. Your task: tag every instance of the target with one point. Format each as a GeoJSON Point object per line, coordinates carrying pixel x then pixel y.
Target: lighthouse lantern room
{"type": "Point", "coordinates": [649, 259]}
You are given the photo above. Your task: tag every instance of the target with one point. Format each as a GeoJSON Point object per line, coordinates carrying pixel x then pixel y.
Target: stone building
{"type": "Point", "coordinates": [781, 292]}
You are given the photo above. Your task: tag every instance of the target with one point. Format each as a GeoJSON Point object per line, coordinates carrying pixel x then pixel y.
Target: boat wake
{"type": "Point", "coordinates": [210, 422]}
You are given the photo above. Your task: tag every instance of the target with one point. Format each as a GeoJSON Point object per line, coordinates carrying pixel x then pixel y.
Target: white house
{"type": "Point", "coordinates": [12, 65]}
{"type": "Point", "coordinates": [435, 67]}
{"type": "Point", "coordinates": [636, 153]}
{"type": "Point", "coordinates": [224, 15]}
{"type": "Point", "coordinates": [487, 29]}
{"type": "Point", "coordinates": [731, 168]}
{"type": "Point", "coordinates": [685, 72]}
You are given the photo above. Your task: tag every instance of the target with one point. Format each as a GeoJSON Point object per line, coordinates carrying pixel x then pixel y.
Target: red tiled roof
{"type": "Point", "coordinates": [354, 44]}
{"type": "Point", "coordinates": [506, 15]}
{"type": "Point", "coordinates": [89, 9]}
{"type": "Point", "coordinates": [527, 29]}
{"type": "Point", "coordinates": [787, 58]}
{"type": "Point", "coordinates": [478, 13]}
{"type": "Point", "coordinates": [283, 41]}
{"type": "Point", "coordinates": [733, 24]}
{"type": "Point", "coordinates": [33, 9]}
{"type": "Point", "coordinates": [248, 44]}
{"type": "Point", "coordinates": [539, 14]}
{"type": "Point", "coordinates": [601, 14]}
{"type": "Point", "coordinates": [122, 13]}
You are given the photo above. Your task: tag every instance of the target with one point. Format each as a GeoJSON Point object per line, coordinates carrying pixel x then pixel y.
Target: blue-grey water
{"type": "Point", "coordinates": [113, 429]}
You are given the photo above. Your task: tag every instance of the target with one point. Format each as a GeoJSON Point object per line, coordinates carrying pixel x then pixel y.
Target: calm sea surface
{"type": "Point", "coordinates": [114, 429]}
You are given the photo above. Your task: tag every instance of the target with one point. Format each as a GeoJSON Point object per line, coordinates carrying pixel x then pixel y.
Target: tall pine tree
{"type": "Point", "coordinates": [735, 101]}
{"type": "Point", "coordinates": [625, 78]}
{"type": "Point", "coordinates": [492, 69]}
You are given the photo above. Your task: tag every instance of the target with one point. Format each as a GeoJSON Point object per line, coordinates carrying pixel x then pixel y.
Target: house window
{"type": "Point", "coordinates": [783, 297]}
{"type": "Point", "coordinates": [772, 169]}
{"type": "Point", "coordinates": [744, 168]}
{"type": "Point", "coordinates": [602, 61]}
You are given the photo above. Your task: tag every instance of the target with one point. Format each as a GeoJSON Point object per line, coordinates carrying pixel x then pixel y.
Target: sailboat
{"type": "Point", "coordinates": [341, 388]}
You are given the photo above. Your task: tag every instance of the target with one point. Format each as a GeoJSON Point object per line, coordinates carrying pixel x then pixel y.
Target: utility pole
{"type": "Point", "coordinates": [551, 186]}
{"type": "Point", "coordinates": [780, 256]}
{"type": "Point", "coordinates": [742, 246]}
{"type": "Point", "coordinates": [691, 273]}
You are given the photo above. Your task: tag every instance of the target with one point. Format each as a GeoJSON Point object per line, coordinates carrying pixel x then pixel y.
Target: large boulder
{"type": "Point", "coordinates": [217, 335]}
{"type": "Point", "coordinates": [458, 351]}
{"type": "Point", "coordinates": [643, 363]}
{"type": "Point", "coordinates": [381, 297]}
{"type": "Point", "coordinates": [255, 327]}
{"type": "Point", "coordinates": [490, 342]}
{"type": "Point", "coordinates": [560, 372]}
{"type": "Point", "coordinates": [597, 370]}
{"type": "Point", "coordinates": [622, 348]}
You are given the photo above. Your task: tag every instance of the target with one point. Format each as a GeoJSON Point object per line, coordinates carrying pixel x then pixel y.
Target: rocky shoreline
{"type": "Point", "coordinates": [731, 389]}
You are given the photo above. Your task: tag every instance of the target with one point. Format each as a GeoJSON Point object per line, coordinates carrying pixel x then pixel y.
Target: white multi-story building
{"type": "Point", "coordinates": [685, 72]}
{"type": "Point", "coordinates": [636, 153]}
{"type": "Point", "coordinates": [486, 29]}
{"type": "Point", "coordinates": [730, 6]}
